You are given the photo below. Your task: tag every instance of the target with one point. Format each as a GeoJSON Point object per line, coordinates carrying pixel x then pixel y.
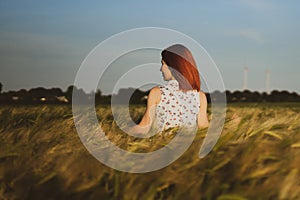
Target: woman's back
{"type": "Point", "coordinates": [178, 102]}
{"type": "Point", "coordinates": [176, 108]}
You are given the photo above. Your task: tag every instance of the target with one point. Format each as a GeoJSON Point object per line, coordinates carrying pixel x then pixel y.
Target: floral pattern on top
{"type": "Point", "coordinates": [176, 108]}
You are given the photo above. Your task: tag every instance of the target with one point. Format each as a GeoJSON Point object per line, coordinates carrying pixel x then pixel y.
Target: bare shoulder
{"type": "Point", "coordinates": [154, 95]}
{"type": "Point", "coordinates": [155, 90]}
{"type": "Point", "coordinates": [202, 95]}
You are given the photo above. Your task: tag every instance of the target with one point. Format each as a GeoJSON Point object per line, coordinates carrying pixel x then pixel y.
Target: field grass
{"type": "Point", "coordinates": [256, 157]}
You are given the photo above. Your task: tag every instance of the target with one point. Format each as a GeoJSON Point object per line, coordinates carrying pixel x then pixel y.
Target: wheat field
{"type": "Point", "coordinates": [256, 157]}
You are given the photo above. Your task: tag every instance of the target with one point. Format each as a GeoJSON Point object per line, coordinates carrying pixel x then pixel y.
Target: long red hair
{"type": "Point", "coordinates": [180, 59]}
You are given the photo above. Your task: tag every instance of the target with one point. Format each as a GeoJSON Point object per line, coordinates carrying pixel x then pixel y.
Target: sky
{"type": "Point", "coordinates": [43, 43]}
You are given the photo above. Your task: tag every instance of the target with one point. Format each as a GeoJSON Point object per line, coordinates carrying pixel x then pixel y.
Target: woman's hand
{"type": "Point", "coordinates": [149, 115]}
{"type": "Point", "coordinates": [137, 129]}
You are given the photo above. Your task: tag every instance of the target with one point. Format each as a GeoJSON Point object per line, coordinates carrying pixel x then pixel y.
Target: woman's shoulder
{"type": "Point", "coordinates": [201, 93]}
{"type": "Point", "coordinates": [155, 94]}
{"type": "Point", "coordinates": [202, 96]}
{"type": "Point", "coordinates": [155, 90]}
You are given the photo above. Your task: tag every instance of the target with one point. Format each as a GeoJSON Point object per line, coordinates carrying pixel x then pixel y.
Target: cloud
{"type": "Point", "coordinates": [251, 34]}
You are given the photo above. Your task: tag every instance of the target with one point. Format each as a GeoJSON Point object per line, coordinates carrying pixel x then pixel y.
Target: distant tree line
{"type": "Point", "coordinates": [42, 95]}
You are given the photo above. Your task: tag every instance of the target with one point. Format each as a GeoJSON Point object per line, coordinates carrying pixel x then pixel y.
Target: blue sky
{"type": "Point", "coordinates": [43, 43]}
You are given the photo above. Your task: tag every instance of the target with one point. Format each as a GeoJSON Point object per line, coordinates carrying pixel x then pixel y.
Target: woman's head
{"type": "Point", "coordinates": [166, 72]}
{"type": "Point", "coordinates": [182, 65]}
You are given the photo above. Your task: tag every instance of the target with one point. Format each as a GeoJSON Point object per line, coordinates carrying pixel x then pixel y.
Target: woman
{"type": "Point", "coordinates": [180, 102]}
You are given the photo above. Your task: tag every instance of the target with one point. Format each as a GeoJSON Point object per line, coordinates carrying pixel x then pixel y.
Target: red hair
{"type": "Point", "coordinates": [180, 59]}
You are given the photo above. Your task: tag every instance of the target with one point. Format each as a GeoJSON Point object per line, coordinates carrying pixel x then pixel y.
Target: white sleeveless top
{"type": "Point", "coordinates": [176, 108]}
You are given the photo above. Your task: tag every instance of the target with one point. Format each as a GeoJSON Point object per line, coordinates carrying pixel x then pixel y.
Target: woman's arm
{"type": "Point", "coordinates": [146, 122]}
{"type": "Point", "coordinates": [202, 115]}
